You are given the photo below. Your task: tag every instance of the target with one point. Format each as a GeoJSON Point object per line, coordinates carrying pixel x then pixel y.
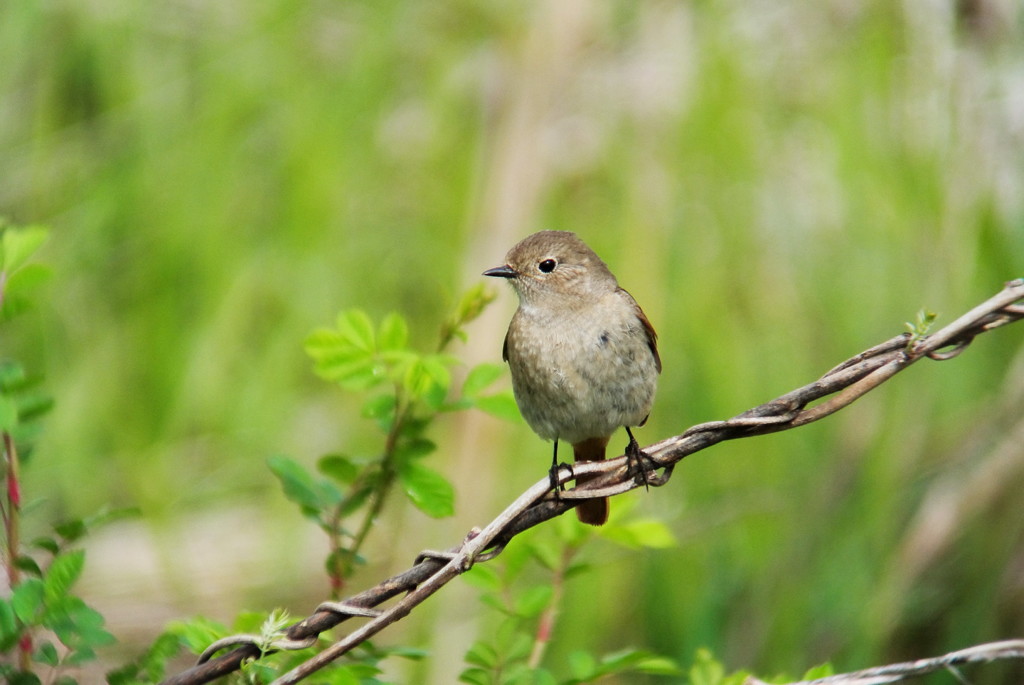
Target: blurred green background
{"type": "Point", "coordinates": [779, 184]}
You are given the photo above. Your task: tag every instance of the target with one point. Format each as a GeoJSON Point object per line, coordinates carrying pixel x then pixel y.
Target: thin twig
{"type": "Point", "coordinates": [892, 673]}
{"type": "Point", "coordinates": [845, 383]}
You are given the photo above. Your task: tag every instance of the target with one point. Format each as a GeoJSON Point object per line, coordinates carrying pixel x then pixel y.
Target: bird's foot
{"type": "Point", "coordinates": [639, 464]}
{"type": "Point", "coordinates": [557, 487]}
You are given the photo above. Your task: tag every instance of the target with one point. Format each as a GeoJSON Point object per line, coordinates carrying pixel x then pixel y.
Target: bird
{"type": "Point", "coordinates": [582, 354]}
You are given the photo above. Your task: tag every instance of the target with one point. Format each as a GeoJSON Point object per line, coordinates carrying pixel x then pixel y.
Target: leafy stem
{"type": "Point", "coordinates": [546, 620]}
{"type": "Point", "coordinates": [12, 533]}
{"type": "Point", "coordinates": [386, 481]}
{"type": "Point", "coordinates": [407, 390]}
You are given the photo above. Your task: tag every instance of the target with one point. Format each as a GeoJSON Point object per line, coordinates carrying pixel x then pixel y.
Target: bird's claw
{"type": "Point", "coordinates": [557, 487]}
{"type": "Point", "coordinates": [639, 464]}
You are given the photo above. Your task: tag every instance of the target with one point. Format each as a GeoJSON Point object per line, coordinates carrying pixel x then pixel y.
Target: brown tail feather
{"type": "Point", "coordinates": [591, 511]}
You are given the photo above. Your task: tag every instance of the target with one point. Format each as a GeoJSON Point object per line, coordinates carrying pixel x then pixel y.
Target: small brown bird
{"type": "Point", "coordinates": [583, 356]}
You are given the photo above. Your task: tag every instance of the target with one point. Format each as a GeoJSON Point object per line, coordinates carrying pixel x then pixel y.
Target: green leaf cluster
{"type": "Point", "coordinates": [43, 601]}
{"type": "Point", "coordinates": [921, 325]}
{"type": "Point", "coordinates": [525, 589]}
{"type": "Point", "coordinates": [707, 670]}
{"type": "Point", "coordinates": [362, 666]}
{"type": "Point", "coordinates": [406, 390]}
{"type": "Point", "coordinates": [357, 355]}
{"type": "Point", "coordinates": [41, 607]}
{"type": "Point", "coordinates": [22, 404]}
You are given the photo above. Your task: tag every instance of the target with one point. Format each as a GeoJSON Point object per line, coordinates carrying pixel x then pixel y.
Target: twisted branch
{"type": "Point", "coordinates": [892, 673]}
{"type": "Point", "coordinates": [432, 570]}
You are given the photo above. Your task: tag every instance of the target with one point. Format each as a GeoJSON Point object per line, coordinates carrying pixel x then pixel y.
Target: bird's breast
{"type": "Point", "coordinates": [581, 374]}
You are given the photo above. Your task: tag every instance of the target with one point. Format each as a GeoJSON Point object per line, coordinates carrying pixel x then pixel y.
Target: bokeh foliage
{"type": "Point", "coordinates": [780, 184]}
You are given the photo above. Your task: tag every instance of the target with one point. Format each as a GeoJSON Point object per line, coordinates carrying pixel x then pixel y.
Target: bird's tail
{"type": "Point", "coordinates": [591, 511]}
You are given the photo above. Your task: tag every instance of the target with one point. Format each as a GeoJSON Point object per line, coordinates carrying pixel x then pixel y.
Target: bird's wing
{"type": "Point", "coordinates": [652, 336]}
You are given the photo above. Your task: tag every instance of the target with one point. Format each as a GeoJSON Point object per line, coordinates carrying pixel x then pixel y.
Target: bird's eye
{"type": "Point", "coordinates": [547, 266]}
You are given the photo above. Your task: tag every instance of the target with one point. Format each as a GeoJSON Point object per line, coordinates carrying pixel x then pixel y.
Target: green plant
{"type": "Point", "coordinates": [921, 325]}
{"type": "Point", "coordinates": [526, 589]}
{"type": "Point", "coordinates": [41, 610]}
{"type": "Point", "coordinates": [407, 390]}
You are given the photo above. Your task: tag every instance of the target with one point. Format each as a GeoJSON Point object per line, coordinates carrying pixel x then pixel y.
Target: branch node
{"type": "Point", "coordinates": [263, 645]}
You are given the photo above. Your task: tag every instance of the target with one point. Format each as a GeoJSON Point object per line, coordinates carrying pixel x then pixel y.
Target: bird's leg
{"type": "Point", "coordinates": [553, 473]}
{"type": "Point", "coordinates": [638, 462]}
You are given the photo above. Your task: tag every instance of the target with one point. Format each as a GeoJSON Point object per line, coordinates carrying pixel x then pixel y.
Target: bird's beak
{"type": "Point", "coordinates": [502, 272]}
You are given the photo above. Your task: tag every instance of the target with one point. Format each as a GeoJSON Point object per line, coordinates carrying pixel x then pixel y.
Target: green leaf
{"type": "Point", "coordinates": [411, 653]}
{"type": "Point", "coordinates": [129, 674]}
{"type": "Point", "coordinates": [32, 406]}
{"type": "Point", "coordinates": [637, 660]}
{"type": "Point", "coordinates": [542, 676]}
{"type": "Point", "coordinates": [19, 244]}
{"type": "Point", "coordinates": [482, 654]}
{"type": "Point", "coordinates": [474, 301]}
{"type": "Point", "coordinates": [512, 640]}
{"type": "Point", "coordinates": [339, 467]}
{"type": "Point", "coordinates": [76, 624]}
{"type": "Point", "coordinates": [62, 574]}
{"type": "Point", "coordinates": [27, 279]}
{"type": "Point", "coordinates": [437, 369]}
{"type": "Point", "coordinates": [356, 328]}
{"type": "Point", "coordinates": [820, 671]}
{"type": "Point", "coordinates": [429, 490]}
{"type": "Point", "coordinates": [921, 324]}
{"type": "Point", "coordinates": [197, 633]}
{"type": "Point", "coordinates": [363, 376]}
{"type": "Point", "coordinates": [28, 565]}
{"type": "Point", "coordinates": [547, 552]}
{"type": "Point", "coordinates": [354, 374]}
{"type": "Point", "coordinates": [27, 600]}
{"type": "Point", "coordinates": [649, 533]}
{"type": "Point", "coordinates": [9, 630]}
{"type": "Point", "coordinates": [483, 578]}
{"type": "Point", "coordinates": [481, 376]}
{"type": "Point", "coordinates": [417, 448]}
{"type": "Point", "coordinates": [533, 601]}
{"type": "Point", "coordinates": [23, 678]}
{"type": "Point", "coordinates": [154, 661]}
{"type": "Point", "coordinates": [381, 409]}
{"type": "Point", "coordinates": [340, 358]}
{"type": "Point", "coordinates": [344, 675]}
{"type": "Point", "coordinates": [520, 674]}
{"type": "Point", "coordinates": [300, 487]}
{"type": "Point", "coordinates": [494, 601]}
{"type": "Point", "coordinates": [706, 670]}
{"type": "Point", "coordinates": [414, 378]}
{"type": "Point", "coordinates": [72, 530]}
{"type": "Point", "coordinates": [8, 414]}
{"type": "Point", "coordinates": [501, 405]}
{"type": "Point", "coordinates": [46, 653]}
{"type": "Point", "coordinates": [324, 342]}
{"type": "Point", "coordinates": [19, 280]}
{"type": "Point", "coordinates": [582, 665]}
{"type": "Point", "coordinates": [393, 333]}
{"type": "Point", "coordinates": [107, 515]}
{"type": "Point", "coordinates": [435, 396]}
{"type": "Point", "coordinates": [659, 665]}
{"type": "Point", "coordinates": [476, 676]}
{"type": "Point", "coordinates": [363, 671]}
